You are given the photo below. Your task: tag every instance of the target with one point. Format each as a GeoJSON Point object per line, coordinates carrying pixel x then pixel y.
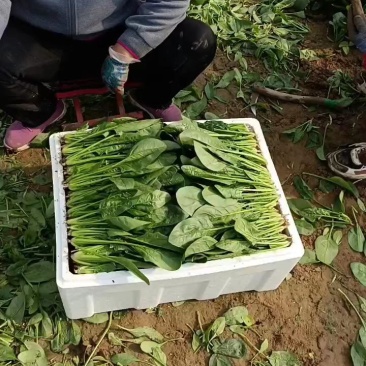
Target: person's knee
{"type": "Point", "coordinates": [202, 40]}
{"type": "Point", "coordinates": [8, 70]}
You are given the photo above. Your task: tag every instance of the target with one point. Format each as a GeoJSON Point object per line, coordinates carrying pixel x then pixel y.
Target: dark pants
{"type": "Point", "coordinates": [31, 57]}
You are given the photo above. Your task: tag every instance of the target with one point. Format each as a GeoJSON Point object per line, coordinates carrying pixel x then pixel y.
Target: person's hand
{"type": "Point", "coordinates": [360, 38]}
{"type": "Point", "coordinates": [115, 68]}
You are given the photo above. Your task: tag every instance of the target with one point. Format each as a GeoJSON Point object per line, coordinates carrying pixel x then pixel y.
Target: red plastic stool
{"type": "Point", "coordinates": [76, 89]}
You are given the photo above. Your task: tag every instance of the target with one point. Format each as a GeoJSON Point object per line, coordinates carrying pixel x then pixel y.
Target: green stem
{"type": "Point", "coordinates": [71, 162]}
{"type": "Point", "coordinates": [252, 345]}
{"type": "Point", "coordinates": [100, 339]}
{"type": "Point", "coordinates": [90, 147]}
{"type": "Point", "coordinates": [354, 307]}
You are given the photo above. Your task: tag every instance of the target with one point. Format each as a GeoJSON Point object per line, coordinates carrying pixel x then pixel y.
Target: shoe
{"type": "Point", "coordinates": [349, 162]}
{"type": "Point", "coordinates": [170, 114]}
{"type": "Point", "coordinates": [18, 136]}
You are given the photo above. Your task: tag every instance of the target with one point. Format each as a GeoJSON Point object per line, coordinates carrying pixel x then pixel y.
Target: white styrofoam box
{"type": "Point", "coordinates": [86, 294]}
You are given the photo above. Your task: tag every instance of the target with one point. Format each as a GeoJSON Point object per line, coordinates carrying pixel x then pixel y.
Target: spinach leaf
{"type": "Point", "coordinates": [356, 239]}
{"type": "Point", "coordinates": [234, 348]}
{"type": "Point", "coordinates": [207, 159]}
{"type": "Point", "coordinates": [211, 196]}
{"type": "Point", "coordinates": [161, 258]}
{"type": "Point", "coordinates": [123, 184]}
{"type": "Point", "coordinates": [340, 182]}
{"type": "Point", "coordinates": [190, 199]}
{"type": "Point", "coordinates": [148, 346]}
{"type": "Point", "coordinates": [188, 137]}
{"type": "Point", "coordinates": [124, 359]}
{"type": "Point", "coordinates": [40, 272]}
{"type": "Point", "coordinates": [326, 249]}
{"type": "Point", "coordinates": [115, 205]}
{"type": "Point", "coordinates": [201, 245]}
{"type": "Point", "coordinates": [99, 318]}
{"type": "Point", "coordinates": [128, 223]}
{"type": "Point", "coordinates": [238, 315]}
{"type": "Point", "coordinates": [195, 172]}
{"type": "Point", "coordinates": [362, 335]}
{"type": "Point", "coordinates": [190, 230]}
{"type": "Point", "coordinates": [75, 334]}
{"type": "Point", "coordinates": [309, 257]}
{"type": "Point", "coordinates": [225, 81]}
{"type": "Point", "coordinates": [299, 205]}
{"type": "Point", "coordinates": [196, 341]}
{"type": "Point", "coordinates": [358, 354]}
{"type": "Point", "coordinates": [359, 271]}
{"type": "Point", "coordinates": [148, 332]}
{"type": "Point", "coordinates": [223, 214]}
{"type": "Point", "coordinates": [234, 246]}
{"type": "Point", "coordinates": [167, 215]}
{"type": "Point", "coordinates": [154, 239]}
{"type": "Point", "coordinates": [46, 325]}
{"type": "Point", "coordinates": [144, 153]}
{"type": "Point", "coordinates": [326, 186]}
{"type": "Point", "coordinates": [6, 353]}
{"type": "Point", "coordinates": [16, 308]}
{"type": "Point", "coordinates": [34, 355]}
{"type": "Point", "coordinates": [159, 356]}
{"type": "Point", "coordinates": [339, 203]}
{"type": "Point", "coordinates": [246, 229]}
{"type": "Point", "coordinates": [219, 360]}
{"type": "Point", "coordinates": [304, 227]}
{"type": "Point", "coordinates": [216, 329]}
{"type": "Point", "coordinates": [303, 189]}
{"type": "Point", "coordinates": [283, 358]}
{"type": "Point", "coordinates": [362, 303]}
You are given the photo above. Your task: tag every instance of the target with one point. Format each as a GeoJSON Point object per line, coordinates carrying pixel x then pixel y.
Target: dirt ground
{"type": "Point", "coordinates": [307, 314]}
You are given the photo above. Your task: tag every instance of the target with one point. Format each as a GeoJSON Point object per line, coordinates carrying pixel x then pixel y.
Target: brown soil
{"type": "Point", "coordinates": [307, 314]}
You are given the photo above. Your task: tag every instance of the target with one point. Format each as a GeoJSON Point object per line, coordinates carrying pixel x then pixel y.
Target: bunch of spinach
{"type": "Point", "coordinates": [306, 131]}
{"type": "Point", "coordinates": [119, 205]}
{"type": "Point", "coordinates": [30, 306]}
{"type": "Point", "coordinates": [221, 350]}
{"type": "Point", "coordinates": [150, 342]}
{"type": "Point", "coordinates": [268, 30]}
{"type": "Point", "coordinates": [140, 195]}
{"type": "Point", "coordinates": [232, 207]}
{"type": "Point", "coordinates": [238, 321]}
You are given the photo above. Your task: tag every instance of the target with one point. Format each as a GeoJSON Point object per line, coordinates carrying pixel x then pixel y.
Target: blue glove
{"type": "Point", "coordinates": [360, 38]}
{"type": "Point", "coordinates": [115, 71]}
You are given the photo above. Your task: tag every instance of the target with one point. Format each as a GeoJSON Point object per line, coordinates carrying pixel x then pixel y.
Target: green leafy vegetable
{"type": "Point", "coordinates": [150, 333]}
{"type": "Point", "coordinates": [238, 315]}
{"type": "Point", "coordinates": [304, 227]}
{"type": "Point", "coordinates": [6, 353]}
{"type": "Point", "coordinates": [234, 348]}
{"type": "Point", "coordinates": [98, 318]}
{"type": "Point", "coordinates": [326, 249]}
{"type": "Point", "coordinates": [356, 238]}
{"type": "Point", "coordinates": [16, 308]}
{"type": "Point", "coordinates": [40, 272]}
{"type": "Point", "coordinates": [190, 199]}
{"type": "Point", "coordinates": [303, 189]}
{"type": "Point", "coordinates": [124, 359]}
{"type": "Point", "coordinates": [282, 358]}
{"type": "Point", "coordinates": [219, 360]}
{"type": "Point", "coordinates": [201, 245]}
{"type": "Point", "coordinates": [359, 271]}
{"type": "Point", "coordinates": [135, 201]}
